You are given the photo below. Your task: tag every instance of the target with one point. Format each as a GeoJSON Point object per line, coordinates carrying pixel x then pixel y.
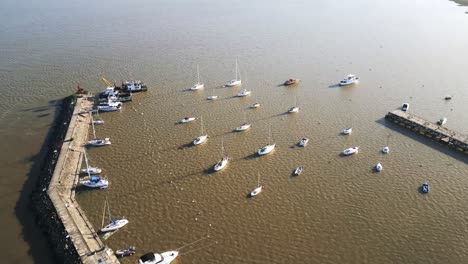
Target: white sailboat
{"type": "Point", "coordinates": [203, 136]}
{"type": "Point", "coordinates": [378, 167]}
{"type": "Point", "coordinates": [244, 93]}
{"type": "Point", "coordinates": [212, 96]}
{"type": "Point", "coordinates": [95, 182]}
{"type": "Point", "coordinates": [158, 258]}
{"type": "Point", "coordinates": [347, 131]}
{"type": "Point", "coordinates": [237, 80]}
{"type": "Point", "coordinates": [295, 108]}
{"type": "Point", "coordinates": [257, 190]}
{"type": "Point", "coordinates": [98, 141]}
{"type": "Point", "coordinates": [222, 163]}
{"type": "Point", "coordinates": [198, 85]}
{"type": "Point", "coordinates": [244, 126]}
{"type": "Point", "coordinates": [351, 151]}
{"type": "Point", "coordinates": [90, 170]}
{"type": "Point", "coordinates": [98, 121]}
{"type": "Point", "coordinates": [267, 148]}
{"type": "Point", "coordinates": [115, 223]}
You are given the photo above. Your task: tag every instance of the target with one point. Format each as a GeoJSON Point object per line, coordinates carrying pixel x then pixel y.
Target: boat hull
{"type": "Point", "coordinates": [266, 149]}
{"type": "Point", "coordinates": [200, 140]}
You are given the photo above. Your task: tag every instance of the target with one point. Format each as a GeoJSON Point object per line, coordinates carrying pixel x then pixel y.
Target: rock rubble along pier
{"type": "Point", "coordinates": [429, 129]}
{"type": "Point", "coordinates": [61, 190]}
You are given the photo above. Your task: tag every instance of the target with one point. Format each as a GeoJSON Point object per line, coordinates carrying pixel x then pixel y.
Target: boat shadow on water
{"type": "Point", "coordinates": [336, 85]}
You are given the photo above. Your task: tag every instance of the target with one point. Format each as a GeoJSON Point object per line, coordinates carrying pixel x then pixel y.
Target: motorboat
{"type": "Point", "coordinates": [115, 224]}
{"type": "Point", "coordinates": [200, 139]}
{"type": "Point", "coordinates": [99, 142]}
{"type": "Point", "coordinates": [198, 85]}
{"type": "Point", "coordinates": [243, 93]}
{"type": "Point", "coordinates": [442, 121]}
{"type": "Point", "coordinates": [95, 182]}
{"type": "Point", "coordinates": [243, 127]}
{"type": "Point", "coordinates": [293, 109]}
{"type": "Point", "coordinates": [98, 122]}
{"type": "Point", "coordinates": [255, 105]}
{"type": "Point", "coordinates": [347, 131]}
{"type": "Point", "coordinates": [187, 119]}
{"type": "Point", "coordinates": [303, 142]}
{"type": "Point", "coordinates": [405, 107]}
{"type": "Point", "coordinates": [91, 170]}
{"type": "Point", "coordinates": [425, 187]}
{"type": "Point", "coordinates": [266, 149]}
{"type": "Point", "coordinates": [237, 80]}
{"type": "Point", "coordinates": [378, 167]}
{"type": "Point", "coordinates": [350, 79]}
{"type": "Point", "coordinates": [158, 258]}
{"type": "Point", "coordinates": [212, 97]}
{"type": "Point", "coordinates": [222, 163]}
{"type": "Point", "coordinates": [297, 171]}
{"type": "Point", "coordinates": [125, 252]}
{"type": "Point", "coordinates": [448, 97]}
{"type": "Point", "coordinates": [291, 81]}
{"type": "Point", "coordinates": [385, 150]}
{"type": "Point", "coordinates": [134, 86]}
{"type": "Point", "coordinates": [257, 190]}
{"type": "Point", "coordinates": [203, 136]}
{"type": "Point", "coordinates": [350, 151]}
{"type": "Point", "coordinates": [110, 107]}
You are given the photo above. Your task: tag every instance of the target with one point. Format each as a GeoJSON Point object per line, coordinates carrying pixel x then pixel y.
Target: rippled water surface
{"type": "Point", "coordinates": [338, 209]}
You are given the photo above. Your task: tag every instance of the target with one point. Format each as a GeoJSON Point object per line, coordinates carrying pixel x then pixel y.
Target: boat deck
{"type": "Point", "coordinates": [62, 190]}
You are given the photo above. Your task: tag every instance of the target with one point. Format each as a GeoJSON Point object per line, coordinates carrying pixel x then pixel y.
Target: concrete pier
{"type": "Point", "coordinates": [62, 187]}
{"type": "Point", "coordinates": [430, 129]}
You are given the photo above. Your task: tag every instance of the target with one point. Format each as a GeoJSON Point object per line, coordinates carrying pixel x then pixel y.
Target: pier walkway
{"type": "Point", "coordinates": [430, 130]}
{"type": "Point", "coordinates": [62, 190]}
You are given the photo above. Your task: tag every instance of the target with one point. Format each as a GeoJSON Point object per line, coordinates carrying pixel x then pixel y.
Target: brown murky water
{"type": "Point", "coordinates": [338, 210]}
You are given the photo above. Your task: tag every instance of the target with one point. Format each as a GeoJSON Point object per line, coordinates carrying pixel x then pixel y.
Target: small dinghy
{"type": "Point", "coordinates": [347, 131]}
{"type": "Point", "coordinates": [125, 252]}
{"type": "Point", "coordinates": [425, 187]}
{"type": "Point", "coordinates": [291, 81]}
{"type": "Point", "coordinates": [156, 258]}
{"type": "Point", "coordinates": [187, 119]}
{"type": "Point", "coordinates": [297, 171]}
{"type": "Point", "coordinates": [243, 93]}
{"type": "Point", "coordinates": [98, 122]}
{"type": "Point", "coordinates": [99, 142]}
{"type": "Point", "coordinates": [91, 170]}
{"type": "Point", "coordinates": [255, 105]}
{"type": "Point", "coordinates": [350, 151]}
{"type": "Point", "coordinates": [378, 167]}
{"type": "Point", "coordinates": [212, 97]}
{"type": "Point", "coordinates": [243, 127]}
{"type": "Point", "coordinates": [303, 142]}
{"type": "Point", "coordinates": [442, 121]}
{"type": "Point", "coordinates": [385, 150]}
{"type": "Point", "coordinates": [95, 182]}
{"type": "Point", "coordinates": [350, 79]}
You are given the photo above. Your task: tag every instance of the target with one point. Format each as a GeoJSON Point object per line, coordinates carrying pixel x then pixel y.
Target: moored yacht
{"type": "Point", "coordinates": [114, 224]}
{"type": "Point", "coordinates": [347, 131]}
{"type": "Point", "coordinates": [405, 107]}
{"type": "Point", "coordinates": [385, 150]}
{"type": "Point", "coordinates": [303, 142]}
{"type": "Point", "coordinates": [291, 81]}
{"type": "Point", "coordinates": [266, 149]}
{"type": "Point", "coordinates": [111, 106]}
{"type": "Point", "coordinates": [350, 151]}
{"type": "Point", "coordinates": [91, 170]}
{"type": "Point", "coordinates": [350, 79]}
{"type": "Point", "coordinates": [243, 127]}
{"type": "Point", "coordinates": [222, 163]}
{"type": "Point", "coordinates": [378, 167]}
{"type": "Point", "coordinates": [255, 105]}
{"type": "Point", "coordinates": [212, 97]}
{"type": "Point", "coordinates": [97, 142]}
{"type": "Point", "coordinates": [95, 182]}
{"type": "Point", "coordinates": [298, 171]}
{"type": "Point", "coordinates": [203, 136]}
{"type": "Point", "coordinates": [425, 187]}
{"type": "Point", "coordinates": [293, 109]}
{"type": "Point", "coordinates": [243, 93]}
{"type": "Point", "coordinates": [187, 119]}
{"type": "Point", "coordinates": [124, 252]}
{"type": "Point", "coordinates": [237, 80]}
{"type": "Point", "coordinates": [198, 85]}
{"type": "Point", "coordinates": [158, 258]}
{"type": "Point", "coordinates": [257, 190]}
{"type": "Point", "coordinates": [442, 121]}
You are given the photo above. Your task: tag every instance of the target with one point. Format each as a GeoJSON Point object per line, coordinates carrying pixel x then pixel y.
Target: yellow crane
{"type": "Point", "coordinates": [109, 84]}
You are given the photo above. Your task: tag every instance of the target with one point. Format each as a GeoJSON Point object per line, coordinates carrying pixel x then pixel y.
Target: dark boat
{"type": "Point", "coordinates": [291, 81]}
{"type": "Point", "coordinates": [425, 187]}
{"type": "Point", "coordinates": [125, 252]}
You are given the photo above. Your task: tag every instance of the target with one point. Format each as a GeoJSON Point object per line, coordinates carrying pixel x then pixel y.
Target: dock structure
{"type": "Point", "coordinates": [429, 129]}
{"type": "Point", "coordinates": [62, 187]}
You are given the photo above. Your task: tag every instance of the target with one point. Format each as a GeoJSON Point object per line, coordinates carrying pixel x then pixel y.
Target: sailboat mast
{"type": "Point", "coordinates": [108, 210]}
{"type": "Point", "coordinates": [198, 74]}
{"type": "Point", "coordinates": [87, 164]}
{"type": "Point", "coordinates": [201, 121]}
{"type": "Point", "coordinates": [94, 130]}
{"type": "Point", "coordinates": [258, 180]}
{"type": "Point", "coordinates": [269, 134]}
{"type": "Point", "coordinates": [236, 70]}
{"type": "Point", "coordinates": [103, 213]}
{"type": "Point", "coordinates": [222, 146]}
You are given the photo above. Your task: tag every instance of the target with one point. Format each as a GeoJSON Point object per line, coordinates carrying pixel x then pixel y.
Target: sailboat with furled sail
{"type": "Point", "coordinates": [89, 169]}
{"type": "Point", "coordinates": [267, 148]}
{"type": "Point", "coordinates": [114, 223]}
{"type": "Point", "coordinates": [237, 80]}
{"type": "Point", "coordinates": [97, 142]}
{"type": "Point", "coordinates": [222, 163]}
{"type": "Point", "coordinates": [198, 85]}
{"type": "Point", "coordinates": [203, 136]}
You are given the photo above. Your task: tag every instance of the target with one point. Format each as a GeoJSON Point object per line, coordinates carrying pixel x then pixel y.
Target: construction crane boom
{"type": "Point", "coordinates": [109, 84]}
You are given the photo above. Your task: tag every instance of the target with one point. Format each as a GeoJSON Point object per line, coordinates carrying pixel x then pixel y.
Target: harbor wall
{"type": "Point", "coordinates": [45, 214]}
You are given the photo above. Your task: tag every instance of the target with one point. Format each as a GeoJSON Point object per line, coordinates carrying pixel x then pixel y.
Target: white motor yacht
{"type": "Point", "coordinates": [243, 93]}
{"type": "Point", "coordinates": [266, 149]}
{"type": "Point", "coordinates": [115, 224]}
{"type": "Point", "coordinates": [385, 150]}
{"type": "Point", "coordinates": [187, 119]}
{"type": "Point", "coordinates": [158, 258]}
{"type": "Point", "coordinates": [99, 142]}
{"type": "Point", "coordinates": [378, 167]}
{"type": "Point", "coordinates": [442, 121]}
{"type": "Point", "coordinates": [303, 142]}
{"type": "Point", "coordinates": [351, 151]}
{"type": "Point", "coordinates": [405, 107]}
{"type": "Point", "coordinates": [293, 109]}
{"type": "Point", "coordinates": [243, 127]}
{"type": "Point", "coordinates": [347, 131]}
{"type": "Point", "coordinates": [350, 79]}
{"type": "Point", "coordinates": [95, 182]}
